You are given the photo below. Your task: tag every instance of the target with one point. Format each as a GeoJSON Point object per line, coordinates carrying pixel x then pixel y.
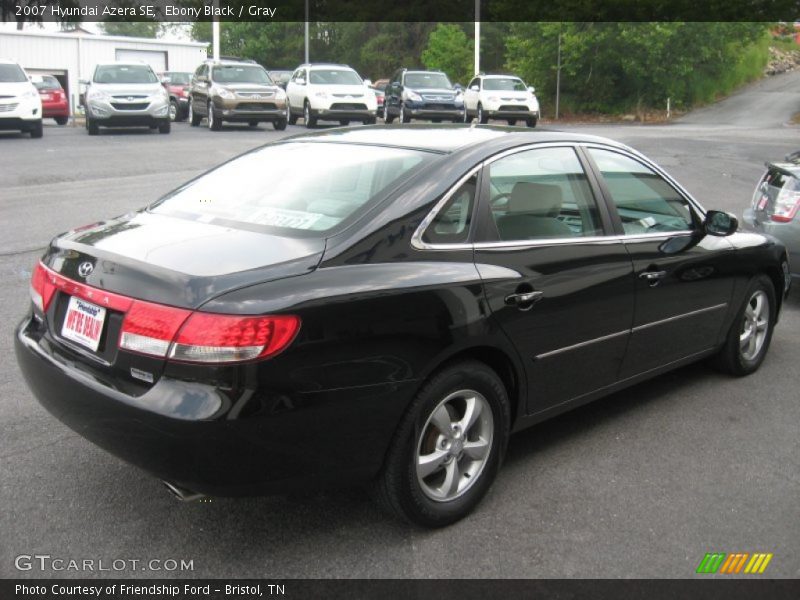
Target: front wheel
{"type": "Point", "coordinates": [388, 118]}
{"type": "Point", "coordinates": [531, 122]}
{"type": "Point", "coordinates": [214, 122]}
{"type": "Point", "coordinates": [448, 448]}
{"type": "Point", "coordinates": [279, 125]}
{"type": "Point", "coordinates": [37, 130]}
{"type": "Point", "coordinates": [404, 117]}
{"type": "Point", "coordinates": [91, 126]}
{"type": "Point", "coordinates": [165, 127]}
{"type": "Point", "coordinates": [194, 119]}
{"type": "Point", "coordinates": [310, 120]}
{"type": "Point", "coordinates": [173, 110]}
{"type": "Point", "coordinates": [751, 332]}
{"type": "Point", "coordinates": [483, 118]}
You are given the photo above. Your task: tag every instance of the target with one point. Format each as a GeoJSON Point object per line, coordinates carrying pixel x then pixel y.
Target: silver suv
{"type": "Point", "coordinates": [126, 95]}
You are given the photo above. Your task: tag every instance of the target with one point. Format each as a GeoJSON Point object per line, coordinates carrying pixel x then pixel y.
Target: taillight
{"type": "Point", "coordinates": [211, 338]}
{"type": "Point", "coordinates": [42, 288]}
{"type": "Point", "coordinates": [786, 206]}
{"type": "Point", "coordinates": [150, 328]}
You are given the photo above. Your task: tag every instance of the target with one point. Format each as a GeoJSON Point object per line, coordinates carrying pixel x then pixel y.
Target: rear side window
{"type": "Point", "coordinates": [646, 203]}
{"type": "Point", "coordinates": [295, 187]}
{"type": "Point", "coordinates": [451, 224]}
{"type": "Point", "coordinates": [540, 194]}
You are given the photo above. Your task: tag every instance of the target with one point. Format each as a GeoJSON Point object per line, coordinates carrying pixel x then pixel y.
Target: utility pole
{"type": "Point", "coordinates": [477, 36]}
{"type": "Point", "coordinates": [306, 34]}
{"type": "Point", "coordinates": [558, 72]}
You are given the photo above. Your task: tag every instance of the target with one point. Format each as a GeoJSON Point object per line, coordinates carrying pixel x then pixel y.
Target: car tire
{"type": "Point", "coordinates": [467, 458]}
{"type": "Point", "coordinates": [62, 120]}
{"type": "Point", "coordinates": [165, 127]}
{"type": "Point", "coordinates": [531, 122]}
{"type": "Point", "coordinates": [194, 119]}
{"type": "Point", "coordinates": [344, 122]}
{"type": "Point", "coordinates": [370, 121]}
{"type": "Point", "coordinates": [482, 117]}
{"type": "Point", "coordinates": [751, 332]}
{"type": "Point", "coordinates": [173, 110]}
{"type": "Point", "coordinates": [511, 122]}
{"type": "Point", "coordinates": [403, 117]}
{"type": "Point", "coordinates": [37, 130]}
{"type": "Point", "coordinates": [214, 122]}
{"type": "Point", "coordinates": [279, 125]}
{"type": "Point", "coordinates": [387, 116]}
{"type": "Point", "coordinates": [310, 120]}
{"type": "Point", "coordinates": [91, 126]}
{"type": "Point", "coordinates": [292, 117]}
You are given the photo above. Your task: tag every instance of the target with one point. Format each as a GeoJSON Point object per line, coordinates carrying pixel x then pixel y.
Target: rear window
{"type": "Point", "coordinates": [179, 78]}
{"type": "Point", "coordinates": [300, 188]}
{"type": "Point", "coordinates": [12, 74]}
{"type": "Point", "coordinates": [240, 74]}
{"type": "Point", "coordinates": [47, 83]}
{"type": "Point", "coordinates": [124, 74]}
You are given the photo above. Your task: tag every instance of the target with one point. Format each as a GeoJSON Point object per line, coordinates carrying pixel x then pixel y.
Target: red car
{"type": "Point", "coordinates": [55, 104]}
{"type": "Point", "coordinates": [177, 85]}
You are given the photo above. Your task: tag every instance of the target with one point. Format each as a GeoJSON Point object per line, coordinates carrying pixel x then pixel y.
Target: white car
{"type": "Point", "coordinates": [20, 103]}
{"type": "Point", "coordinates": [501, 97]}
{"type": "Point", "coordinates": [322, 92]}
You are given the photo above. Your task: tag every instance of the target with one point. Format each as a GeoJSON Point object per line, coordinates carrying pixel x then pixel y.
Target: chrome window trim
{"type": "Point", "coordinates": [418, 244]}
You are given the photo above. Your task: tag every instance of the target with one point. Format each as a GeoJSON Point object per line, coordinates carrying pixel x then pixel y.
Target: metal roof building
{"type": "Point", "coordinates": [71, 56]}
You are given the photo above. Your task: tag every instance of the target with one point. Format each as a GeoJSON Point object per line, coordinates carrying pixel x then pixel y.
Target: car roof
{"type": "Point", "coordinates": [444, 138]}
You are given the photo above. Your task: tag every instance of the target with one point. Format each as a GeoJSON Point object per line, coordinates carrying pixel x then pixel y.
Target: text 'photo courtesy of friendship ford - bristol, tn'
{"type": "Point", "coordinates": [384, 306]}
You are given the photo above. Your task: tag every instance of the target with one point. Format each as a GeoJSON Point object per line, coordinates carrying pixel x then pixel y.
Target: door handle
{"type": "Point", "coordinates": [653, 277]}
{"type": "Point", "coordinates": [524, 300]}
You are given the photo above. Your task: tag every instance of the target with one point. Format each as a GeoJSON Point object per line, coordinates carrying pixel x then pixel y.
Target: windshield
{"type": "Point", "coordinates": [335, 77]}
{"type": "Point", "coordinates": [12, 74]}
{"type": "Point", "coordinates": [240, 74]}
{"type": "Point", "coordinates": [427, 80]}
{"type": "Point", "coordinates": [294, 187]}
{"type": "Point", "coordinates": [506, 84]}
{"type": "Point", "coordinates": [124, 74]}
{"type": "Point", "coordinates": [178, 78]}
{"type": "Point", "coordinates": [47, 82]}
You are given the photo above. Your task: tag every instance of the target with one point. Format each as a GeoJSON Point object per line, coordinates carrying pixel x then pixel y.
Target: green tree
{"type": "Point", "coordinates": [450, 50]}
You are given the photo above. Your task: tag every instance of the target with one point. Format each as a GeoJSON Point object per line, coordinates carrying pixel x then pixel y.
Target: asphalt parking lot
{"type": "Point", "coordinates": [640, 484]}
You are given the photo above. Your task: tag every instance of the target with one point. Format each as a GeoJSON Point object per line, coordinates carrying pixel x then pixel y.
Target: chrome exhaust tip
{"type": "Point", "coordinates": [182, 494]}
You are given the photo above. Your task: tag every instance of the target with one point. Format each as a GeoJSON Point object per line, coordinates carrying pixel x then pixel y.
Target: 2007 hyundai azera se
{"type": "Point", "coordinates": [385, 306]}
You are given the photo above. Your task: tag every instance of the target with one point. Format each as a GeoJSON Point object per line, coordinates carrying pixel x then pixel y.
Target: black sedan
{"type": "Point", "coordinates": [385, 306]}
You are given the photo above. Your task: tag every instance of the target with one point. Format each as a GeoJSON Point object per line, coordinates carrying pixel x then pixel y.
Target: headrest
{"type": "Point", "coordinates": [535, 198]}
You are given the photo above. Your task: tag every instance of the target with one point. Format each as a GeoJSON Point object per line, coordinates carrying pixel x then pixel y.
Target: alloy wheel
{"type": "Point", "coordinates": [454, 445]}
{"type": "Point", "coordinates": [755, 324]}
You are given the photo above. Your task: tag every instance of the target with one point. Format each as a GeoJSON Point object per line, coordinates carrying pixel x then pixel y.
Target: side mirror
{"type": "Point", "coordinates": [165, 80]}
{"type": "Point", "coordinates": [300, 81]}
{"type": "Point", "coordinates": [720, 223]}
{"type": "Point", "coordinates": [531, 89]}
{"type": "Point", "coordinates": [475, 88]}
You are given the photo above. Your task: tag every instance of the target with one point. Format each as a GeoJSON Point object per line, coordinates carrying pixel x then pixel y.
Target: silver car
{"type": "Point", "coordinates": [126, 95]}
{"type": "Point", "coordinates": [776, 207]}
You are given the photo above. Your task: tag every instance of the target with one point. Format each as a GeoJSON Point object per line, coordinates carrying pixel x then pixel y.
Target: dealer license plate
{"type": "Point", "coordinates": [83, 323]}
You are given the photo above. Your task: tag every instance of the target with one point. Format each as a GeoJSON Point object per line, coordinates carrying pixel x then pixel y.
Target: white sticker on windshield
{"type": "Point", "coordinates": [282, 217]}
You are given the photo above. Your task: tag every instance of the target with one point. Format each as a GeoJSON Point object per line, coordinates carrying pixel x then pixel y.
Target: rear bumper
{"type": "Point", "coordinates": [195, 435]}
{"type": "Point", "coordinates": [55, 110]}
{"type": "Point", "coordinates": [787, 233]}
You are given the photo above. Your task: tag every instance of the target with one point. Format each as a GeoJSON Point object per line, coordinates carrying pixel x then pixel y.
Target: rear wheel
{"type": "Point", "coordinates": [448, 448]}
{"type": "Point", "coordinates": [62, 120]}
{"type": "Point", "coordinates": [749, 336]}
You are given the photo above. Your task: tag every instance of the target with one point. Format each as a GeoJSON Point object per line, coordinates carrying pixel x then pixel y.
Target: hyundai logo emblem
{"type": "Point", "coordinates": [85, 269]}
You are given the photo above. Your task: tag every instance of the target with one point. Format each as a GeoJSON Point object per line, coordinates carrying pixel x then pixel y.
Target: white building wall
{"type": "Point", "coordinates": [77, 54]}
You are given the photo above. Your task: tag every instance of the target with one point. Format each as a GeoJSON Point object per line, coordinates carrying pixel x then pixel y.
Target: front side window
{"type": "Point", "coordinates": [124, 74]}
{"type": "Point", "coordinates": [645, 202]}
{"type": "Point", "coordinates": [292, 188]}
{"type": "Point", "coordinates": [335, 77]}
{"type": "Point", "coordinates": [540, 194]}
{"type": "Point", "coordinates": [452, 222]}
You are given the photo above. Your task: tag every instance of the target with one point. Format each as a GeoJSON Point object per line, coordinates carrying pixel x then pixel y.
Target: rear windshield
{"type": "Point", "coordinates": [12, 74]}
{"type": "Point", "coordinates": [510, 84]}
{"type": "Point", "coordinates": [124, 74]}
{"type": "Point", "coordinates": [427, 80]}
{"type": "Point", "coordinates": [299, 188]}
{"type": "Point", "coordinates": [47, 83]}
{"type": "Point", "coordinates": [240, 74]}
{"type": "Point", "coordinates": [178, 78]}
{"type": "Point", "coordinates": [335, 77]}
